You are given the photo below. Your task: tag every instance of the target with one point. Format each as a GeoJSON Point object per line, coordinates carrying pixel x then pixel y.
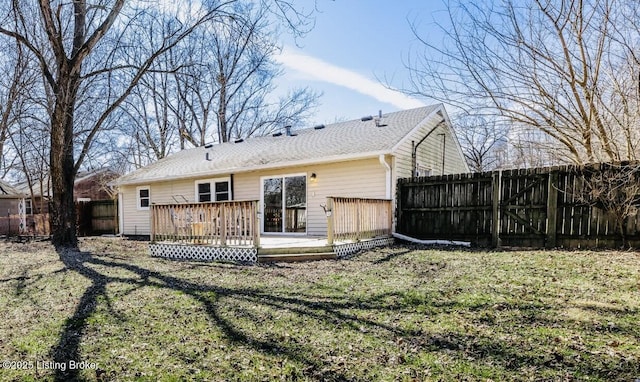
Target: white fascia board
{"type": "Point", "coordinates": [420, 125]}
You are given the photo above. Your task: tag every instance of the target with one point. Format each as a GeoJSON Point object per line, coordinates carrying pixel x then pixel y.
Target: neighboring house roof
{"type": "Point", "coordinates": [9, 192]}
{"type": "Point", "coordinates": [103, 174]}
{"type": "Point", "coordinates": [339, 141]}
{"type": "Point", "coordinates": [24, 187]}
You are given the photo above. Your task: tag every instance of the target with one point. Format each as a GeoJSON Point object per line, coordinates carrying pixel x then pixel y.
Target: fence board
{"type": "Point", "coordinates": [525, 207]}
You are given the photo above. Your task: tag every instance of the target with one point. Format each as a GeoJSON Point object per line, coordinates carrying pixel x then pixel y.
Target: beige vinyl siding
{"type": "Point", "coordinates": [454, 159]}
{"type": "Point", "coordinates": [431, 154]}
{"type": "Point", "coordinates": [430, 151]}
{"type": "Point", "coordinates": [358, 178]}
{"type": "Point", "coordinates": [134, 221]}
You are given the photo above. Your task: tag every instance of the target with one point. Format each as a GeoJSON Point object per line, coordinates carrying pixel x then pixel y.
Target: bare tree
{"type": "Point", "coordinates": [89, 56]}
{"type": "Point", "coordinates": [216, 85]}
{"type": "Point", "coordinates": [18, 78]}
{"type": "Point", "coordinates": [483, 142]}
{"type": "Point", "coordinates": [614, 189]}
{"type": "Point", "coordinates": [231, 83]}
{"type": "Point", "coordinates": [568, 69]}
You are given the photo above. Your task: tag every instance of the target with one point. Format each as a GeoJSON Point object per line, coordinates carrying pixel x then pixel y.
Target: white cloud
{"type": "Point", "coordinates": [324, 71]}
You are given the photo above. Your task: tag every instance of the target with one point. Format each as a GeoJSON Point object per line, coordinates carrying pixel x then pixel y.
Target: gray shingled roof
{"type": "Point", "coordinates": [338, 141]}
{"type": "Point", "coordinates": [7, 191]}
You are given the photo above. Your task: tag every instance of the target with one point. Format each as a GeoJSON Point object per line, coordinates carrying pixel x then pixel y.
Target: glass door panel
{"type": "Point", "coordinates": [285, 204]}
{"type": "Point", "coordinates": [295, 191]}
{"type": "Point", "coordinates": [273, 204]}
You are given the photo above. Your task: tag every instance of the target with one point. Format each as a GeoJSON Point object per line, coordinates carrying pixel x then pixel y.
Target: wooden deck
{"type": "Point", "coordinates": [230, 231]}
{"type": "Point", "coordinates": [275, 249]}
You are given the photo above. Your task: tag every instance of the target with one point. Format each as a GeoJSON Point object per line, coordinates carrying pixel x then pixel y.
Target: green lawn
{"type": "Point", "coordinates": [398, 313]}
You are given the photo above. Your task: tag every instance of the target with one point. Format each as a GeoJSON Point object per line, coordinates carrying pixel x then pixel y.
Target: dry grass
{"type": "Point", "coordinates": [400, 313]}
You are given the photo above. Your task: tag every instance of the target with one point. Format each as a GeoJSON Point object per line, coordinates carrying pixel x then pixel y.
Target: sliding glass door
{"type": "Point", "coordinates": [285, 204]}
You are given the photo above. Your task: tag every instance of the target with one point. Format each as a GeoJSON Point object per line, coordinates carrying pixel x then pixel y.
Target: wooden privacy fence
{"type": "Point", "coordinates": [357, 218]}
{"type": "Point", "coordinates": [541, 207]}
{"type": "Point", "coordinates": [36, 224]}
{"type": "Point", "coordinates": [216, 223]}
{"type": "Point", "coordinates": [97, 217]}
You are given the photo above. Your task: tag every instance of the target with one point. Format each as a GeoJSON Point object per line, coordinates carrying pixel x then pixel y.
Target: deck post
{"type": "Point", "coordinates": [153, 222]}
{"type": "Point", "coordinates": [256, 224]}
{"type": "Point", "coordinates": [330, 223]}
{"type": "Point", "coordinates": [223, 228]}
{"type": "Point", "coordinates": [359, 216]}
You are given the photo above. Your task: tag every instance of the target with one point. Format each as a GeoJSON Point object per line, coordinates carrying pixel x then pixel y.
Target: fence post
{"type": "Point", "coordinates": [496, 181]}
{"type": "Point", "coordinates": [400, 185]}
{"type": "Point", "coordinates": [552, 209]}
{"type": "Point", "coordinates": [389, 209]}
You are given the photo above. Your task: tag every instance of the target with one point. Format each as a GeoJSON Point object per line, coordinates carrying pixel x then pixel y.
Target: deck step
{"type": "Point", "coordinates": [291, 257]}
{"type": "Point", "coordinates": [294, 250]}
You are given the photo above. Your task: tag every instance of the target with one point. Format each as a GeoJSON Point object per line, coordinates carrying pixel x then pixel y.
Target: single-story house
{"type": "Point", "coordinates": [88, 185]}
{"type": "Point", "coordinates": [10, 199]}
{"type": "Point", "coordinates": [94, 185]}
{"type": "Point", "coordinates": [292, 172]}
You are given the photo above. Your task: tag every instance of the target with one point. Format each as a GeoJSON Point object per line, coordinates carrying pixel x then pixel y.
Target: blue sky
{"type": "Point", "coordinates": [354, 45]}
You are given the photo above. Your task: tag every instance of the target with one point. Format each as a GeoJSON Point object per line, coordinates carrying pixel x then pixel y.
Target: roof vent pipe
{"type": "Point", "coordinates": [288, 129]}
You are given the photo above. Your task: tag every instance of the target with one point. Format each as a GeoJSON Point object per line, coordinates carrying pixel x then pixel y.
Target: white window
{"type": "Point", "coordinates": [213, 190]}
{"type": "Point", "coordinates": [144, 197]}
{"type": "Point", "coordinates": [204, 192]}
{"type": "Point", "coordinates": [28, 208]}
{"type": "Point", "coordinates": [423, 170]}
{"type": "Point", "coordinates": [222, 191]}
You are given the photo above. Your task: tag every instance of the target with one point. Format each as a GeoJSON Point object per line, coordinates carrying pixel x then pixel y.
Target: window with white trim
{"type": "Point", "coordinates": [222, 191]}
{"type": "Point", "coordinates": [204, 192]}
{"type": "Point", "coordinates": [144, 197]}
{"type": "Point", "coordinates": [28, 208]}
{"type": "Point", "coordinates": [423, 170]}
{"type": "Point", "coordinates": [213, 190]}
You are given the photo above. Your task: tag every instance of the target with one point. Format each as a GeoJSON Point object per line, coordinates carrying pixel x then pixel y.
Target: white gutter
{"type": "Point", "coordinates": [387, 169]}
{"type": "Point", "coordinates": [431, 242]}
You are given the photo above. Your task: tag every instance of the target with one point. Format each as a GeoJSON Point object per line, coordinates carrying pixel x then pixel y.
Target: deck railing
{"type": "Point", "coordinates": [357, 218]}
{"type": "Point", "coordinates": [219, 223]}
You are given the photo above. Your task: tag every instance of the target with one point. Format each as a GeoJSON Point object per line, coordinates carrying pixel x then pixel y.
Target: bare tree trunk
{"type": "Point", "coordinates": [223, 133]}
{"type": "Point", "coordinates": [63, 212]}
{"type": "Point", "coordinates": [64, 37]}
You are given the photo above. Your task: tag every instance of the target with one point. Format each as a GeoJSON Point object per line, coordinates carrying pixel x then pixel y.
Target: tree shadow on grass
{"type": "Point", "coordinates": [103, 270]}
{"type": "Point", "coordinates": [86, 264]}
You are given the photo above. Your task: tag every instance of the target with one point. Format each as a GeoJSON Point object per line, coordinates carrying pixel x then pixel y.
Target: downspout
{"type": "Point", "coordinates": [388, 188]}
{"type": "Point", "coordinates": [387, 169]}
{"type": "Point", "coordinates": [414, 149]}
